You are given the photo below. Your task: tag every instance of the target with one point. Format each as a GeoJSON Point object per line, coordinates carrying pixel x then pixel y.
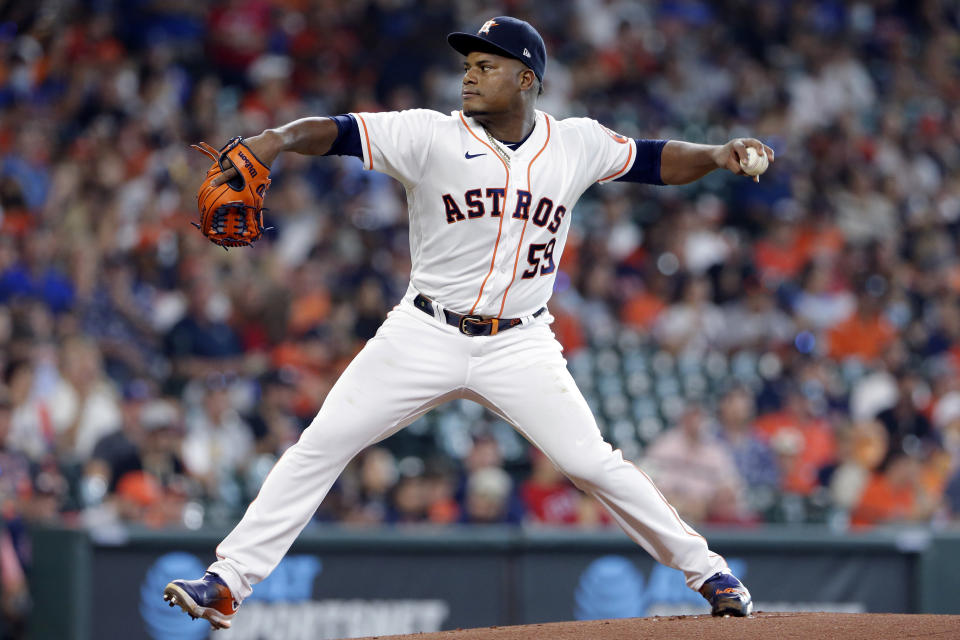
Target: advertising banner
{"type": "Point", "coordinates": [595, 587]}
{"type": "Point", "coordinates": [351, 584]}
{"type": "Point", "coordinates": [309, 596]}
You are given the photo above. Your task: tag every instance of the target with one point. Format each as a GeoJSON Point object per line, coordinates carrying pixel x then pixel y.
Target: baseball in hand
{"type": "Point", "coordinates": [755, 163]}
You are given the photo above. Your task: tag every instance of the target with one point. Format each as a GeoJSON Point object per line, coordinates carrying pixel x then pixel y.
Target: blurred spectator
{"type": "Point", "coordinates": [864, 213]}
{"type": "Point", "coordinates": [370, 309]}
{"type": "Point", "coordinates": [378, 475]}
{"type": "Point", "coordinates": [15, 491]}
{"type": "Point", "coordinates": [38, 276]}
{"type": "Point", "coordinates": [803, 442]}
{"type": "Point", "coordinates": [755, 321]}
{"type": "Point", "coordinates": [311, 298]}
{"type": "Point", "coordinates": [861, 448]}
{"type": "Point", "coordinates": [271, 100]}
{"type": "Point", "coordinates": [705, 246]}
{"type": "Point", "coordinates": [202, 343]}
{"type": "Point", "coordinates": [905, 422]}
{"type": "Point", "coordinates": [84, 405]}
{"type": "Point", "coordinates": [218, 442]}
{"type": "Point", "coordinates": [952, 496]}
{"type": "Point", "coordinates": [693, 323]}
{"type": "Point", "coordinates": [865, 334]}
{"type": "Point", "coordinates": [695, 471]}
{"type": "Point", "coordinates": [567, 328]}
{"type": "Point", "coordinates": [485, 453]}
{"type": "Point", "coordinates": [946, 419]}
{"type": "Point", "coordinates": [15, 594]}
{"type": "Point", "coordinates": [162, 443]}
{"type": "Point", "coordinates": [116, 452]}
{"type": "Point", "coordinates": [549, 498]}
{"type": "Point", "coordinates": [440, 490]}
{"type": "Point", "coordinates": [408, 501]}
{"type": "Point", "coordinates": [239, 30]}
{"type": "Point", "coordinates": [137, 493]}
{"type": "Point", "coordinates": [753, 457]}
{"type": "Point", "coordinates": [644, 305]}
{"type": "Point", "coordinates": [894, 494]}
{"type": "Point", "coordinates": [823, 302]}
{"type": "Point", "coordinates": [15, 478]}
{"type": "Point", "coordinates": [142, 498]}
{"type": "Point", "coordinates": [273, 423]}
{"type": "Point", "coordinates": [31, 431]}
{"type": "Point", "coordinates": [116, 314]}
{"type": "Point", "coordinates": [487, 501]}
{"type": "Point", "coordinates": [780, 256]}
{"type": "Point", "coordinates": [141, 467]}
{"type": "Point", "coordinates": [48, 495]}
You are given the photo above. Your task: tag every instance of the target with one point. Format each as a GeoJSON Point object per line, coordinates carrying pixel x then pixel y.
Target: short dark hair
{"type": "Point", "coordinates": [12, 367]}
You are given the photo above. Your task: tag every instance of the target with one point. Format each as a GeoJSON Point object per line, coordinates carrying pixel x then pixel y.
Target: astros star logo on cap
{"type": "Point", "coordinates": [511, 38]}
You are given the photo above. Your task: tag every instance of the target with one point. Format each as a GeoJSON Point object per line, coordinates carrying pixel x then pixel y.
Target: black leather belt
{"type": "Point", "coordinates": [471, 325]}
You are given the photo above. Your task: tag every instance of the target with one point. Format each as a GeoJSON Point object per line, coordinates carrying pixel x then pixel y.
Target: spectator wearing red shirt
{"type": "Point", "coordinates": [548, 496]}
{"type": "Point", "coordinates": [238, 32]}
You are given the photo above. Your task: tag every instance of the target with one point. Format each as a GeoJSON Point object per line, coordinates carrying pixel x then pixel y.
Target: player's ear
{"type": "Point", "coordinates": [527, 78]}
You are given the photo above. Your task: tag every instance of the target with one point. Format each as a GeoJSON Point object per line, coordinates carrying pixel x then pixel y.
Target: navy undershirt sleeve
{"type": "Point", "coordinates": [348, 138]}
{"type": "Point", "coordinates": [646, 168]}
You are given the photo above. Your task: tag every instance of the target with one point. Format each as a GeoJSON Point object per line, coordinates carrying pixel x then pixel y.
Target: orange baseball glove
{"type": "Point", "coordinates": [231, 214]}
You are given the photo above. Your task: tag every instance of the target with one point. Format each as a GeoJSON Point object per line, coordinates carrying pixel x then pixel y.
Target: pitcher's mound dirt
{"type": "Point", "coordinates": [759, 626]}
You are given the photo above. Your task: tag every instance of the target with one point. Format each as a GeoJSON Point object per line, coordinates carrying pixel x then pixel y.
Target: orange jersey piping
{"type": "Point", "coordinates": [674, 512]}
{"type": "Point", "coordinates": [503, 213]}
{"type": "Point", "coordinates": [622, 169]}
{"type": "Point", "coordinates": [516, 259]}
{"type": "Point", "coordinates": [366, 135]}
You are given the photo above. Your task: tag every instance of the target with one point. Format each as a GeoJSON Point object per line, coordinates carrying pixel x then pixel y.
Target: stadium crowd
{"type": "Point", "coordinates": [783, 351]}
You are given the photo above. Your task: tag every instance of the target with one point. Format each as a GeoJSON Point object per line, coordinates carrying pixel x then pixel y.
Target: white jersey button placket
{"type": "Point", "coordinates": [505, 257]}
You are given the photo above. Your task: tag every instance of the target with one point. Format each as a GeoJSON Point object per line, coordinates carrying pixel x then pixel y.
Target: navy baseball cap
{"type": "Point", "coordinates": [505, 36]}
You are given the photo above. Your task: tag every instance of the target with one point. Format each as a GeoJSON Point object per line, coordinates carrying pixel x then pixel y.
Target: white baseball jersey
{"type": "Point", "coordinates": [487, 228]}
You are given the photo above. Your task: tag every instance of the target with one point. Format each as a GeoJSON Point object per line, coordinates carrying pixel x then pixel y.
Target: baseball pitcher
{"type": "Point", "coordinates": [490, 191]}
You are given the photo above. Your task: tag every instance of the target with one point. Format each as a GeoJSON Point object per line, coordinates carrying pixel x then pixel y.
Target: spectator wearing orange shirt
{"type": "Point", "coordinates": [819, 237]}
{"type": "Point", "coordinates": [865, 334]}
{"type": "Point", "coordinates": [894, 494]}
{"type": "Point", "coordinates": [568, 329]}
{"type": "Point", "coordinates": [643, 305]}
{"type": "Point", "coordinates": [440, 482]}
{"type": "Point", "coordinates": [780, 256]}
{"type": "Point", "coordinates": [642, 310]}
{"type": "Point", "coordinates": [862, 448]}
{"type": "Point", "coordinates": [804, 442]}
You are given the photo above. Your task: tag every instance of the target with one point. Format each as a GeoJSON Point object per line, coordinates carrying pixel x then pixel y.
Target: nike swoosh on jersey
{"type": "Point", "coordinates": [470, 156]}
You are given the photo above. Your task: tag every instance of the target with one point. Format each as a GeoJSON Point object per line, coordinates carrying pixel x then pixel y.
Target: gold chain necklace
{"type": "Point", "coordinates": [498, 148]}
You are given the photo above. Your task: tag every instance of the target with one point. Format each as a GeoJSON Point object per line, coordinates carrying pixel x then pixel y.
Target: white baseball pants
{"type": "Point", "coordinates": [415, 363]}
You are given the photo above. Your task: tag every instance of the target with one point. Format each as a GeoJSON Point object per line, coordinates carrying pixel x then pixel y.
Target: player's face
{"type": "Point", "coordinates": [492, 83]}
